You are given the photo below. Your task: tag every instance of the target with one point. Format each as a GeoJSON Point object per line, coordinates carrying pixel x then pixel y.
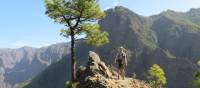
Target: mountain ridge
{"type": "Point", "coordinates": [150, 40]}
{"type": "Point", "coordinates": [20, 64]}
{"type": "Point", "coordinates": [159, 39]}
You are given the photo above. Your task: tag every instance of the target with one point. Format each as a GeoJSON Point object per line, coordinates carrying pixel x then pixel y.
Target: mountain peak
{"type": "Point", "coordinates": [121, 10]}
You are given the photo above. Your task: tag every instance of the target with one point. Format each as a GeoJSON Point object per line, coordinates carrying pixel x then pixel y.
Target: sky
{"type": "Point", "coordinates": [23, 22]}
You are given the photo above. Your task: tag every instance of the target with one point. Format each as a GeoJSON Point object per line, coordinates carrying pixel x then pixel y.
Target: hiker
{"type": "Point", "coordinates": [121, 61]}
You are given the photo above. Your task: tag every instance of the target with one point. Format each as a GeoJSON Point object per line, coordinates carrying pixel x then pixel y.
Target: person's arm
{"type": "Point", "coordinates": [126, 62]}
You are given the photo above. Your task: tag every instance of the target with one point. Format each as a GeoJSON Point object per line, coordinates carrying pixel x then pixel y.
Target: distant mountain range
{"type": "Point", "coordinates": [19, 65]}
{"type": "Point", "coordinates": [170, 39]}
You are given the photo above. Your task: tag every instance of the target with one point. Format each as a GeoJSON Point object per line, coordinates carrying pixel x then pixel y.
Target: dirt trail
{"type": "Point", "coordinates": [126, 83]}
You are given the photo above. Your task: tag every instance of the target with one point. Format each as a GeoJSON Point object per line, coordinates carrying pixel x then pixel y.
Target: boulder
{"type": "Point", "coordinates": [96, 66]}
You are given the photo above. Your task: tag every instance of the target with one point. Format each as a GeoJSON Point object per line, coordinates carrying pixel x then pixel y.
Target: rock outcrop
{"type": "Point", "coordinates": [97, 75]}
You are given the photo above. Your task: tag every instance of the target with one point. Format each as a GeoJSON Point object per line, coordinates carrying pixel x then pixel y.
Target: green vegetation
{"type": "Point", "coordinates": [157, 77]}
{"type": "Point", "coordinates": [148, 40]}
{"type": "Point", "coordinates": [196, 82]}
{"type": "Point", "coordinates": [70, 85]}
{"type": "Point", "coordinates": [79, 16]}
{"type": "Point", "coordinates": [198, 63]}
{"type": "Point", "coordinates": [181, 20]}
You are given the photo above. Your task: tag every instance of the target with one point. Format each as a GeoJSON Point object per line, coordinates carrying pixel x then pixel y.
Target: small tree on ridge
{"type": "Point", "coordinates": [157, 77]}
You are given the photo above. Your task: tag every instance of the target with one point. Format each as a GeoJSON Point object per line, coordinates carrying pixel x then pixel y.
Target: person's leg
{"type": "Point", "coordinates": [123, 73]}
{"type": "Point", "coordinates": [118, 72]}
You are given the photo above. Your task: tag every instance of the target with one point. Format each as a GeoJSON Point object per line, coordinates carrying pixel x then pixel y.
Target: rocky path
{"type": "Point", "coordinates": [129, 83]}
{"type": "Point", "coordinates": [125, 83]}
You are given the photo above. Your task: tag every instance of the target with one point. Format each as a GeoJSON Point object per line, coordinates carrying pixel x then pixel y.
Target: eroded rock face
{"type": "Point", "coordinates": [97, 75]}
{"type": "Point", "coordinates": [95, 65]}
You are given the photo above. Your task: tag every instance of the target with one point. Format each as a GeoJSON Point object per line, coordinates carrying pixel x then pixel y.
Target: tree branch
{"type": "Point", "coordinates": [67, 21]}
{"type": "Point", "coordinates": [79, 18]}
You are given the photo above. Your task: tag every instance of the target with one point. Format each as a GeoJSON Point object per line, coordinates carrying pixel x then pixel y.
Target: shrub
{"type": "Point", "coordinates": [70, 84]}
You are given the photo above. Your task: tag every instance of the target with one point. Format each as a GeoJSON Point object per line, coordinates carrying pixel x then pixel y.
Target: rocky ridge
{"type": "Point", "coordinates": [97, 75]}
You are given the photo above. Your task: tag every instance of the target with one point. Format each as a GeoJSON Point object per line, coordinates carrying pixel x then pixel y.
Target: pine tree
{"type": "Point", "coordinates": [156, 76]}
{"type": "Point", "coordinates": [79, 17]}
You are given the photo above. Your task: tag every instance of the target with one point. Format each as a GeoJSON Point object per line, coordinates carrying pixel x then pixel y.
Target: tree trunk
{"type": "Point", "coordinates": [73, 60]}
